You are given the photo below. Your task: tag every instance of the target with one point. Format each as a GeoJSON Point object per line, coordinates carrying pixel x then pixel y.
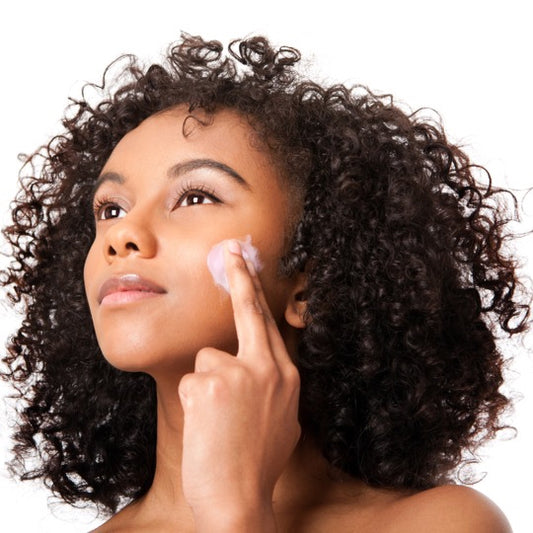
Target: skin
{"type": "Point", "coordinates": [230, 455]}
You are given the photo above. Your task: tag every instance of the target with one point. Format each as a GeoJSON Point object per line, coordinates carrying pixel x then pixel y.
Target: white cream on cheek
{"type": "Point", "coordinates": [215, 260]}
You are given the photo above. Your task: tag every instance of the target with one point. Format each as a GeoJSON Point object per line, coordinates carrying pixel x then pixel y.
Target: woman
{"type": "Point", "coordinates": [337, 383]}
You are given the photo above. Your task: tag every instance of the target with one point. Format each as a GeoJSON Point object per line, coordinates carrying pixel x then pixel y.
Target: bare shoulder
{"type": "Point", "coordinates": [447, 509]}
{"type": "Point", "coordinates": [112, 525]}
{"type": "Point", "coordinates": [120, 522]}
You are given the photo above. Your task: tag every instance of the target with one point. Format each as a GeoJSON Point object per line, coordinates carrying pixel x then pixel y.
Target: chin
{"type": "Point", "coordinates": [148, 362]}
{"type": "Point", "coordinates": [143, 346]}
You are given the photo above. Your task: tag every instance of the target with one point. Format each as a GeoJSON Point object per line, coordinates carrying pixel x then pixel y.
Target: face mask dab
{"type": "Point", "coordinates": [215, 260]}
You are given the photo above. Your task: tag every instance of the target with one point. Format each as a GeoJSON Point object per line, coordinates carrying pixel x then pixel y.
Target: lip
{"type": "Point", "coordinates": [127, 288]}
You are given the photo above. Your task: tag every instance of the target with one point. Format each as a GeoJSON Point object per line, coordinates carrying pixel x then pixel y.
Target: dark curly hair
{"type": "Point", "coordinates": [409, 281]}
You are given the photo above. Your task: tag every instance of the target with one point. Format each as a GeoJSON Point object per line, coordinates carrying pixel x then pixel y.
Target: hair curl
{"type": "Point", "coordinates": [408, 279]}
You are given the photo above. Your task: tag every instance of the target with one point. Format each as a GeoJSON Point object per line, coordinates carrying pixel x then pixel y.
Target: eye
{"type": "Point", "coordinates": [194, 198]}
{"type": "Point", "coordinates": [190, 196]}
{"type": "Point", "coordinates": [107, 210]}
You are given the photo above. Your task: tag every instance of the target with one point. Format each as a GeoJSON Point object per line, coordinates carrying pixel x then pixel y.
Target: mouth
{"type": "Point", "coordinates": [126, 289]}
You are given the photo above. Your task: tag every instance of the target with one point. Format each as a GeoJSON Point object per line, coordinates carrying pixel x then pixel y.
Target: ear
{"type": "Point", "coordinates": [297, 302]}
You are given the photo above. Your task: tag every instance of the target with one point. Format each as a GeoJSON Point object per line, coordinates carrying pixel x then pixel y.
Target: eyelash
{"type": "Point", "coordinates": [189, 188]}
{"type": "Point", "coordinates": [185, 190]}
{"type": "Point", "coordinates": [100, 203]}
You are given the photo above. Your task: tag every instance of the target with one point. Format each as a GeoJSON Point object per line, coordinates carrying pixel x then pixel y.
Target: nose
{"type": "Point", "coordinates": [127, 236]}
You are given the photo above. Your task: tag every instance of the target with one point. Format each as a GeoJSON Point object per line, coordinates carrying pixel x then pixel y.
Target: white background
{"type": "Point", "coordinates": [469, 60]}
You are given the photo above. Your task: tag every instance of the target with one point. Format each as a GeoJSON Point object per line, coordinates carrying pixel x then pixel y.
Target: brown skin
{"type": "Point", "coordinates": [229, 456]}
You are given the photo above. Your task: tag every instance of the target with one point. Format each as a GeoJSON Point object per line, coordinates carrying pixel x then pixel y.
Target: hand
{"type": "Point", "coordinates": [240, 415]}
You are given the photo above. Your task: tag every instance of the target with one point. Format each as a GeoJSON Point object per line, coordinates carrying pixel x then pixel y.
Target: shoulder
{"type": "Point", "coordinates": [447, 509]}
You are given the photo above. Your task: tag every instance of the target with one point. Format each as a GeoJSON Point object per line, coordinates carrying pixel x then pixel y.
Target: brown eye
{"type": "Point", "coordinates": [195, 198]}
{"type": "Point", "coordinates": [108, 211]}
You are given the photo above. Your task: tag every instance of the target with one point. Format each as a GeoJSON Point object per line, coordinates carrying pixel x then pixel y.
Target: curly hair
{"type": "Point", "coordinates": [409, 280]}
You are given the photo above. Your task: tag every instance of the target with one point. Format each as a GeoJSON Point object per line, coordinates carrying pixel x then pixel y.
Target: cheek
{"type": "Point", "coordinates": [216, 261]}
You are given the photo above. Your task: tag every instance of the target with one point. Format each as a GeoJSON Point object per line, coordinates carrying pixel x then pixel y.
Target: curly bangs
{"type": "Point", "coordinates": [409, 282]}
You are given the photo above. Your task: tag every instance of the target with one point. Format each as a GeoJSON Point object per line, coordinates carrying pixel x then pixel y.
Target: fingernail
{"type": "Point", "coordinates": [234, 247]}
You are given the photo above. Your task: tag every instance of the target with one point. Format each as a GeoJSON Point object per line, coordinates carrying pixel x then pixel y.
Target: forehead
{"type": "Point", "coordinates": [175, 135]}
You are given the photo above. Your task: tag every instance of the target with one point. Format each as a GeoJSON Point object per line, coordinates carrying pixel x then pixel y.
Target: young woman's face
{"type": "Point", "coordinates": [162, 201]}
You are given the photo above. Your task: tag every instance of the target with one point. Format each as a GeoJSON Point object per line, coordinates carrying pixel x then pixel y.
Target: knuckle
{"type": "Point", "coordinates": [249, 303]}
{"type": "Point", "coordinates": [292, 376]}
{"type": "Point", "coordinates": [204, 355]}
{"type": "Point", "coordinates": [204, 352]}
{"type": "Point", "coordinates": [186, 385]}
{"type": "Point", "coordinates": [240, 374]}
{"type": "Point", "coordinates": [215, 386]}
{"type": "Point", "coordinates": [268, 372]}
{"type": "Point", "coordinates": [269, 318]}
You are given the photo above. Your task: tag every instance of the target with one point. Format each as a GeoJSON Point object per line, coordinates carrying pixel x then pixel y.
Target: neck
{"type": "Point", "coordinates": [167, 478]}
{"type": "Point", "coordinates": [305, 481]}
{"type": "Point", "coordinates": [164, 501]}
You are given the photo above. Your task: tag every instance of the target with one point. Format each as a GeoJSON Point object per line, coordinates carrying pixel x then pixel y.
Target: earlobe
{"type": "Point", "coordinates": [297, 303]}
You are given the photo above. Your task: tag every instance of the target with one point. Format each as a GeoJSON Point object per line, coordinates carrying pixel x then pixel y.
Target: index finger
{"type": "Point", "coordinates": [277, 343]}
{"type": "Point", "coordinates": [247, 309]}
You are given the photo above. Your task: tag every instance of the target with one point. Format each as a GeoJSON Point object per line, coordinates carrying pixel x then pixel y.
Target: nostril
{"type": "Point", "coordinates": [122, 249]}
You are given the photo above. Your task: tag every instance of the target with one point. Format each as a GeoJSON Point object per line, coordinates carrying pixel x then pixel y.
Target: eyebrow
{"type": "Point", "coordinates": [105, 177]}
{"type": "Point", "coordinates": [194, 164]}
{"type": "Point", "coordinates": [178, 170]}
